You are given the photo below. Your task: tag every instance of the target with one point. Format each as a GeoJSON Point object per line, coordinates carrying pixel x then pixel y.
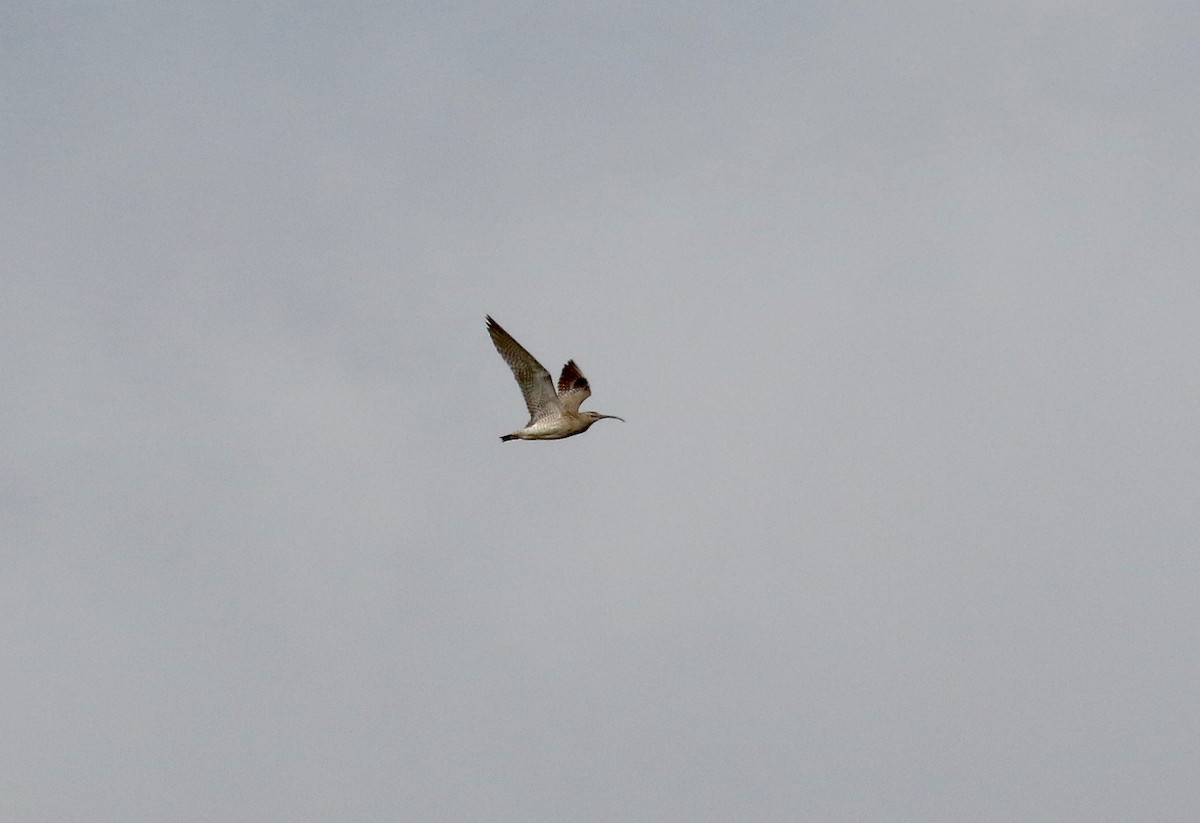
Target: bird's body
{"type": "Point", "coordinates": [553, 415]}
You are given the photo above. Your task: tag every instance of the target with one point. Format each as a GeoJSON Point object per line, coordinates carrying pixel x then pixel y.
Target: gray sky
{"type": "Point", "coordinates": [900, 301]}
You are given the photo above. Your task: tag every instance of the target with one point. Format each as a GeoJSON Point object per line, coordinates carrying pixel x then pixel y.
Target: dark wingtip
{"type": "Point", "coordinates": [493, 326]}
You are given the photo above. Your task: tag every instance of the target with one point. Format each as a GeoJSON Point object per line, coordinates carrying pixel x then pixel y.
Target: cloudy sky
{"type": "Point", "coordinates": [901, 303]}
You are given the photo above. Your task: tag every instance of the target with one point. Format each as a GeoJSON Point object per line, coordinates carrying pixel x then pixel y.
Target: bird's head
{"type": "Point", "coordinates": [592, 417]}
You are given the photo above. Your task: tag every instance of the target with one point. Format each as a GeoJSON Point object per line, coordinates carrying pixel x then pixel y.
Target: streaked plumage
{"type": "Point", "coordinates": [553, 415]}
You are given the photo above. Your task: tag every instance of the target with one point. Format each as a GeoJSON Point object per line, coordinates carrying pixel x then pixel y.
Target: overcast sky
{"type": "Point", "coordinates": [901, 302]}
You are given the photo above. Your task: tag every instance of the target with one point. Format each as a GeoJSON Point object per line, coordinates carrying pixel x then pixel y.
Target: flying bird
{"type": "Point", "coordinates": [552, 415]}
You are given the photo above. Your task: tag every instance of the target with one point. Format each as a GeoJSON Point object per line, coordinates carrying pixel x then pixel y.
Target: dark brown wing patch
{"type": "Point", "coordinates": [571, 379]}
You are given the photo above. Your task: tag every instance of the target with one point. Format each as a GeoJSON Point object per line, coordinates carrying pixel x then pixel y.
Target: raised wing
{"type": "Point", "coordinates": [536, 386]}
{"type": "Point", "coordinates": [573, 387]}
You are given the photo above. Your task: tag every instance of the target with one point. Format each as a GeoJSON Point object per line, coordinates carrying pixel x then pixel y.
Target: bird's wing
{"type": "Point", "coordinates": [532, 377]}
{"type": "Point", "coordinates": [573, 387]}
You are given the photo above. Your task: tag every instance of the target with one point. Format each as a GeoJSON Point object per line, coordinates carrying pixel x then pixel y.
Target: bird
{"type": "Point", "coordinates": [552, 415]}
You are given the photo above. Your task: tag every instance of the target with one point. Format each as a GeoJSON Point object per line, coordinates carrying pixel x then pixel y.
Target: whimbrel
{"type": "Point", "coordinates": [552, 415]}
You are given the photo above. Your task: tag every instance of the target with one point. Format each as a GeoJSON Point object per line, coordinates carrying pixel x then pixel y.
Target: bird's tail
{"type": "Point", "coordinates": [508, 437]}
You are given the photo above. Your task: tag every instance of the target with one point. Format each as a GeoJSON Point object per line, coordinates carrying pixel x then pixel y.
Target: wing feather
{"type": "Point", "coordinates": [573, 387]}
{"type": "Point", "coordinates": [536, 386]}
